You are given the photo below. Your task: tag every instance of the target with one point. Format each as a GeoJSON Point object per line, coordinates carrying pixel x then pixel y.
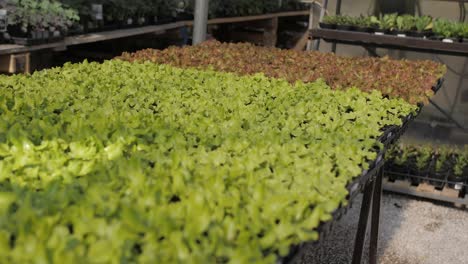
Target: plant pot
{"type": "Point", "coordinates": [436, 37]}
{"type": "Point", "coordinates": [365, 29]}
{"type": "Point", "coordinates": [164, 20]}
{"type": "Point", "coordinates": [23, 41]}
{"type": "Point", "coordinates": [184, 16]}
{"type": "Point", "coordinates": [416, 34]}
{"type": "Point", "coordinates": [456, 181]}
{"type": "Point", "coordinates": [428, 33]}
{"type": "Point", "coordinates": [327, 26]}
{"type": "Point", "coordinates": [395, 171]}
{"type": "Point", "coordinates": [422, 173]}
{"type": "Point", "coordinates": [442, 174]}
{"type": "Point", "coordinates": [345, 27]}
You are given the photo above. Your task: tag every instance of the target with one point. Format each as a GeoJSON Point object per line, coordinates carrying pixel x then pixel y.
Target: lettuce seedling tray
{"type": "Point", "coordinates": [359, 184]}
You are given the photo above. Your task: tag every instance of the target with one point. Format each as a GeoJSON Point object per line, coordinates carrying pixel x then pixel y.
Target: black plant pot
{"type": "Point", "coordinates": [164, 20]}
{"type": "Point", "coordinates": [416, 34]}
{"type": "Point", "coordinates": [184, 16]}
{"type": "Point", "coordinates": [442, 174]}
{"type": "Point", "coordinates": [436, 37]}
{"type": "Point", "coordinates": [345, 27]}
{"type": "Point", "coordinates": [428, 33]}
{"type": "Point", "coordinates": [395, 171]}
{"type": "Point", "coordinates": [364, 29]}
{"type": "Point", "coordinates": [456, 181]}
{"type": "Point", "coordinates": [422, 173]}
{"type": "Point", "coordinates": [327, 26]}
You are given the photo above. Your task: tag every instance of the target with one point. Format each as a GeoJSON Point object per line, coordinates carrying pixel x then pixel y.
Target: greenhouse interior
{"type": "Point", "coordinates": [234, 131]}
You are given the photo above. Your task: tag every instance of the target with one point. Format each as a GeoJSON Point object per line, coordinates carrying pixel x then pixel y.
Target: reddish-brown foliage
{"type": "Point", "coordinates": [410, 80]}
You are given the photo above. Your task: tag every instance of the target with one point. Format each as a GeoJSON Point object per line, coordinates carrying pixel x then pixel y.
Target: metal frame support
{"type": "Point", "coordinates": [201, 21]}
{"type": "Point", "coordinates": [372, 196]}
{"type": "Point", "coordinates": [337, 12]}
{"type": "Point", "coordinates": [322, 14]}
{"type": "Point", "coordinates": [448, 115]}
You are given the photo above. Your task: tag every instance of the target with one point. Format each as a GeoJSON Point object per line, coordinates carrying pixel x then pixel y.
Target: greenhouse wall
{"type": "Point", "coordinates": [447, 97]}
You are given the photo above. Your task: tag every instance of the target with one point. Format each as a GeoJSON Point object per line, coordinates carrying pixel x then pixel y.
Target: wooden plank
{"type": "Point", "coordinates": [122, 33]}
{"type": "Point", "coordinates": [227, 20]}
{"type": "Point", "coordinates": [15, 63]}
{"type": "Point", "coordinates": [302, 42]}
{"type": "Point", "coordinates": [425, 191]}
{"type": "Point", "coordinates": [391, 41]}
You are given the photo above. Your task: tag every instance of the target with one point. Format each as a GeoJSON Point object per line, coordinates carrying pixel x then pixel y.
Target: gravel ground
{"type": "Point", "coordinates": [411, 232]}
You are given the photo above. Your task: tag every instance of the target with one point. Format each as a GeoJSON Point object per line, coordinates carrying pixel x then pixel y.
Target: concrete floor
{"type": "Point", "coordinates": [412, 232]}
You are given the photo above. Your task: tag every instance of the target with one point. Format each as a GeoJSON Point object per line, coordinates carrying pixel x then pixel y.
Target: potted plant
{"type": "Point", "coordinates": [464, 33]}
{"type": "Point", "coordinates": [34, 22]}
{"type": "Point", "coordinates": [367, 23]}
{"type": "Point", "coordinates": [423, 26]}
{"type": "Point", "coordinates": [404, 24]}
{"type": "Point", "coordinates": [442, 166]}
{"type": "Point", "coordinates": [345, 23]}
{"type": "Point", "coordinates": [418, 162]}
{"type": "Point", "coordinates": [387, 23]}
{"type": "Point", "coordinates": [445, 30]}
{"type": "Point", "coordinates": [396, 160]}
{"type": "Point", "coordinates": [329, 22]}
{"type": "Point", "coordinates": [459, 169]}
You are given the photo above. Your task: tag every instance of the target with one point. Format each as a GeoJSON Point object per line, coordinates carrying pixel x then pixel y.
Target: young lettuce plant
{"type": "Point", "coordinates": [405, 22]}
{"type": "Point", "coordinates": [423, 23]}
{"type": "Point", "coordinates": [444, 28]}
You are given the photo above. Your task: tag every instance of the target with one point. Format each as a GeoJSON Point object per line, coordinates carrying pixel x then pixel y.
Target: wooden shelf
{"type": "Point", "coordinates": [390, 41]}
{"type": "Point", "coordinates": [6, 49]}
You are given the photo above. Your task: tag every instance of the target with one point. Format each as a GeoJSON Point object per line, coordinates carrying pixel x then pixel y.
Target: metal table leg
{"type": "Point", "coordinates": [375, 222]}
{"type": "Point", "coordinates": [322, 14]}
{"type": "Point", "coordinates": [372, 195]}
{"type": "Point", "coordinates": [338, 12]}
{"type": "Point", "coordinates": [362, 226]}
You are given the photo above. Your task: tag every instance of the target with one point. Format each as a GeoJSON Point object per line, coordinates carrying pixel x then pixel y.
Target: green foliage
{"type": "Point", "coordinates": [423, 23]}
{"type": "Point", "coordinates": [388, 21]}
{"type": "Point", "coordinates": [461, 161]}
{"type": "Point", "coordinates": [405, 23]}
{"type": "Point", "coordinates": [368, 21]}
{"type": "Point", "coordinates": [443, 153]}
{"type": "Point", "coordinates": [424, 155]}
{"type": "Point", "coordinates": [142, 163]}
{"type": "Point", "coordinates": [445, 28]}
{"type": "Point", "coordinates": [403, 155]}
{"type": "Point", "coordinates": [39, 15]}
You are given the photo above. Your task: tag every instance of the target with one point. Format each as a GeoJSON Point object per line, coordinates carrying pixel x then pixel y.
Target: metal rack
{"type": "Point", "coordinates": [371, 41]}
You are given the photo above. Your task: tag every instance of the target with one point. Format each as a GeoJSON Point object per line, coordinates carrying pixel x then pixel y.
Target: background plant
{"type": "Point", "coordinates": [39, 15]}
{"type": "Point", "coordinates": [423, 23]}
